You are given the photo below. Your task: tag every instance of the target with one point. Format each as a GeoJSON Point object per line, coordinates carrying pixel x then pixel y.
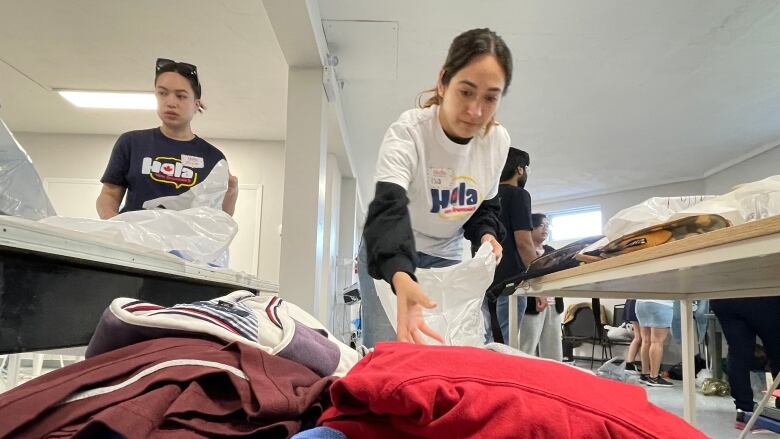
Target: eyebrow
{"type": "Point", "coordinates": [471, 84]}
{"type": "Point", "coordinates": [181, 90]}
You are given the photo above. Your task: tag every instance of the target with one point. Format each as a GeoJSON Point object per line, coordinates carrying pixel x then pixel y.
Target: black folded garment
{"type": "Point", "coordinates": [558, 260]}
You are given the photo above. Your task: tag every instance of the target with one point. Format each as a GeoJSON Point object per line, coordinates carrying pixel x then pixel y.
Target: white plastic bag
{"type": "Point", "coordinates": [749, 202]}
{"type": "Point", "coordinates": [21, 190]}
{"type": "Point", "coordinates": [458, 292]}
{"type": "Point", "coordinates": [208, 193]}
{"type": "Point", "coordinates": [648, 213]}
{"type": "Point", "coordinates": [615, 369]}
{"type": "Point", "coordinates": [201, 234]}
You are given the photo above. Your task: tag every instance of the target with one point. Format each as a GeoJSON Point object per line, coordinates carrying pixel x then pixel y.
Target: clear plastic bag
{"type": "Point", "coordinates": [749, 202]}
{"type": "Point", "coordinates": [615, 369]}
{"type": "Point", "coordinates": [458, 291]}
{"type": "Point", "coordinates": [200, 234]}
{"type": "Point", "coordinates": [21, 189]}
{"type": "Point", "coordinates": [648, 213]}
{"type": "Point", "coordinates": [208, 193]}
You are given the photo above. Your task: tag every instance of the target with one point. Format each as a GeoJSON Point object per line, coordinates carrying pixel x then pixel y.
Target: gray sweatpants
{"type": "Point", "coordinates": [542, 330]}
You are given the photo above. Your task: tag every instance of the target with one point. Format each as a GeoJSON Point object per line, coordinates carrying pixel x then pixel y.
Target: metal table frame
{"type": "Point", "coordinates": [739, 261]}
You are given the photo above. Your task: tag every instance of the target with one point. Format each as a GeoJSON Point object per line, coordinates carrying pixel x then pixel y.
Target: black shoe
{"type": "Point", "coordinates": [742, 420]}
{"type": "Point", "coordinates": [644, 378]}
{"type": "Point", "coordinates": [658, 382]}
{"type": "Point", "coordinates": [630, 366]}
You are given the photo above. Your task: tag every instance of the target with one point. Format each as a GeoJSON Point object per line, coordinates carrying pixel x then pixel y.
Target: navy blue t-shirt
{"type": "Point", "coordinates": [151, 165]}
{"type": "Point", "coordinates": [516, 215]}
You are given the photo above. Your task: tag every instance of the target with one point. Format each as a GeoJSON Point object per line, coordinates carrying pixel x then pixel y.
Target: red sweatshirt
{"type": "Point", "coordinates": [404, 390]}
{"type": "Point", "coordinates": [168, 387]}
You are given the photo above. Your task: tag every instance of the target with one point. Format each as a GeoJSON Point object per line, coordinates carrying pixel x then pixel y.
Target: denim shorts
{"type": "Point", "coordinates": [654, 314]}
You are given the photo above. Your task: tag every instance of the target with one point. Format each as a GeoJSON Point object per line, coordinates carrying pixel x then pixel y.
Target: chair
{"type": "Point", "coordinates": [583, 328]}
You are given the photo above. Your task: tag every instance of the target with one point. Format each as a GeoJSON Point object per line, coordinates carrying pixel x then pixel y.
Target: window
{"type": "Point", "coordinates": [572, 224]}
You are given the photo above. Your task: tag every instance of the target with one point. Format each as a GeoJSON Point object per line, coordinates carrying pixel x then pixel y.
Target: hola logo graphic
{"type": "Point", "coordinates": [454, 203]}
{"type": "Point", "coordinates": [169, 170]}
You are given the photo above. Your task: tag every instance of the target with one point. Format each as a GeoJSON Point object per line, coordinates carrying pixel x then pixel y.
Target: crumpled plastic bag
{"type": "Point", "coordinates": [615, 369]}
{"type": "Point", "coordinates": [21, 189]}
{"type": "Point", "coordinates": [200, 234]}
{"type": "Point", "coordinates": [749, 202]}
{"type": "Point", "coordinates": [208, 193]}
{"type": "Point", "coordinates": [458, 291]}
{"type": "Point", "coordinates": [648, 213]}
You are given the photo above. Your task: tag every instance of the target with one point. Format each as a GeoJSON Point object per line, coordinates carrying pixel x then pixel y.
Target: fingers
{"type": "Point", "coordinates": [425, 329]}
{"type": "Point", "coordinates": [418, 297]}
{"type": "Point", "coordinates": [416, 337]}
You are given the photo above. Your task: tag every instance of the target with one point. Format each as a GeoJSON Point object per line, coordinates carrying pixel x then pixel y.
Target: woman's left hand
{"type": "Point", "coordinates": [497, 249]}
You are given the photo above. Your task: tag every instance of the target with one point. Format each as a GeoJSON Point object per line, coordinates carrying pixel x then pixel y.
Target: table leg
{"type": "Point", "coordinates": [14, 364]}
{"type": "Point", "coordinates": [512, 304]}
{"type": "Point", "coordinates": [688, 352]}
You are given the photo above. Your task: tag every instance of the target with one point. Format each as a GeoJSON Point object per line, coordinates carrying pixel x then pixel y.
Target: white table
{"type": "Point", "coordinates": [739, 261]}
{"type": "Point", "coordinates": [55, 283]}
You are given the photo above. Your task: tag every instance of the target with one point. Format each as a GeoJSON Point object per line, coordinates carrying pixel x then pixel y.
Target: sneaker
{"type": "Point", "coordinates": [630, 366]}
{"type": "Point", "coordinates": [644, 378]}
{"type": "Point", "coordinates": [658, 382]}
{"type": "Point", "coordinates": [742, 420]}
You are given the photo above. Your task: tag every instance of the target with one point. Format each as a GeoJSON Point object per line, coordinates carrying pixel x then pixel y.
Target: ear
{"type": "Point", "coordinates": [440, 87]}
{"type": "Point", "coordinates": [200, 106]}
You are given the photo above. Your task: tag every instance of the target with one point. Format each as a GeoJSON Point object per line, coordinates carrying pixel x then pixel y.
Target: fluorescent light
{"type": "Point", "coordinates": [110, 99]}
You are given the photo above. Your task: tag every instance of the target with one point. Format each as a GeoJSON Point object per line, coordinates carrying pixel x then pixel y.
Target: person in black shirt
{"type": "Point", "coordinates": [164, 161]}
{"type": "Point", "coordinates": [518, 245]}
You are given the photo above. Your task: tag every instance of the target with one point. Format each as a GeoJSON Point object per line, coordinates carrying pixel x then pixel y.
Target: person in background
{"type": "Point", "coordinates": [655, 318]}
{"type": "Point", "coordinates": [518, 245]}
{"type": "Point", "coordinates": [742, 320]}
{"type": "Point", "coordinates": [541, 326]}
{"type": "Point", "coordinates": [437, 183]}
{"type": "Point", "coordinates": [636, 343]}
{"type": "Point", "coordinates": [164, 161]}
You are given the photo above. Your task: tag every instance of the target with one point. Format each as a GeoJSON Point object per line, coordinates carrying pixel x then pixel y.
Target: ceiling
{"type": "Point", "coordinates": [112, 45]}
{"type": "Point", "coordinates": [606, 95]}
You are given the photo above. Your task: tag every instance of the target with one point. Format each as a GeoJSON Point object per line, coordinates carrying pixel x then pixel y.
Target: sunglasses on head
{"type": "Point", "coordinates": [169, 65]}
{"type": "Point", "coordinates": [185, 69]}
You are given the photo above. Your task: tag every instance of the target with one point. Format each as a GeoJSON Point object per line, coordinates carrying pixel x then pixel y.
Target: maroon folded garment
{"type": "Point", "coordinates": [177, 387]}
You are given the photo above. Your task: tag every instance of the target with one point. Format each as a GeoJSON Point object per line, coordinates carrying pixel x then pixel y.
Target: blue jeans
{"type": "Point", "coordinates": [376, 326]}
{"type": "Point", "coordinates": [502, 311]}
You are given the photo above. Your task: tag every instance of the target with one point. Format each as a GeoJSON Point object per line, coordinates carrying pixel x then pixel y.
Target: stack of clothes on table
{"type": "Point", "coordinates": [239, 365]}
{"type": "Point", "coordinates": [258, 366]}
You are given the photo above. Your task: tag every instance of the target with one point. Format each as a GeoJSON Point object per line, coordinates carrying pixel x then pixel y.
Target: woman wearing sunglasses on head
{"type": "Point", "coordinates": [163, 161]}
{"type": "Point", "coordinates": [437, 182]}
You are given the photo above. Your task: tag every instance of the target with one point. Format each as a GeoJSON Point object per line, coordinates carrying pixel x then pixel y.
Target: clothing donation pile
{"type": "Point", "coordinates": [258, 366]}
{"type": "Point", "coordinates": [239, 365]}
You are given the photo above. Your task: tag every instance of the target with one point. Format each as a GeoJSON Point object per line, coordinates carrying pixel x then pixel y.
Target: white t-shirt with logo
{"type": "Point", "coordinates": [445, 181]}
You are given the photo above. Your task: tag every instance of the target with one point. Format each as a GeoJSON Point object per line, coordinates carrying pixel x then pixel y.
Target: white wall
{"type": "Point", "coordinates": [615, 202]}
{"type": "Point", "coordinates": [756, 168]}
{"type": "Point", "coordinates": [254, 162]}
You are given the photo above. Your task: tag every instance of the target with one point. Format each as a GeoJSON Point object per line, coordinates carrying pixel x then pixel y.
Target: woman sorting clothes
{"type": "Point", "coordinates": [436, 182]}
